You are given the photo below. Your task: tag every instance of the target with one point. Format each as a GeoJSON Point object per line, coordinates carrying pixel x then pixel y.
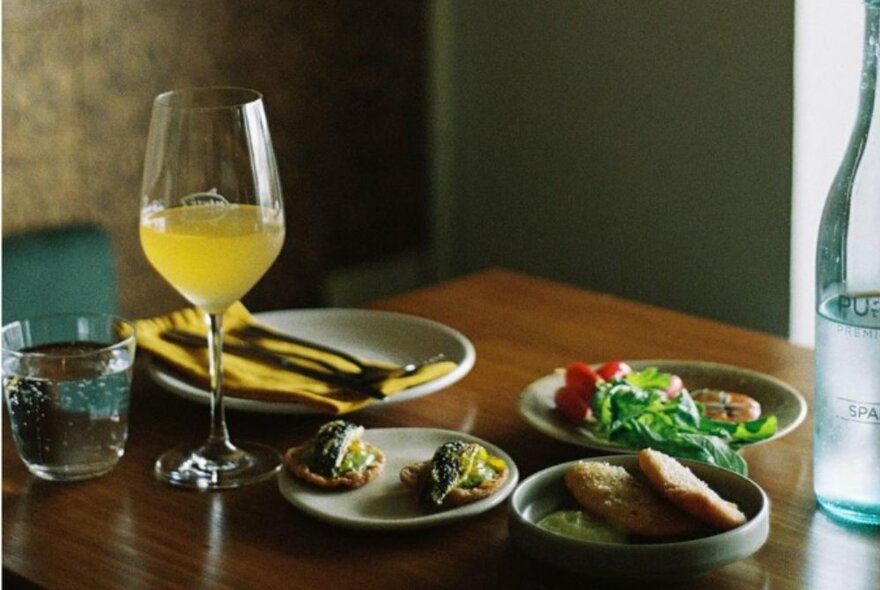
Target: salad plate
{"type": "Point", "coordinates": [384, 503]}
{"type": "Point", "coordinates": [377, 335]}
{"type": "Point", "coordinates": [537, 406]}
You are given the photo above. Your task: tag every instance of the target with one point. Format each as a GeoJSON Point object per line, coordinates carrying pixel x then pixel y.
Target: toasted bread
{"type": "Point", "coordinates": [684, 489]}
{"type": "Point", "coordinates": [293, 461]}
{"type": "Point", "coordinates": [613, 493]}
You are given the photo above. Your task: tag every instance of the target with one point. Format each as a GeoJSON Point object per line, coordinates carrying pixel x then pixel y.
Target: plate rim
{"type": "Point", "coordinates": [287, 485]}
{"type": "Point", "coordinates": [166, 378]}
{"type": "Point", "coordinates": [572, 436]}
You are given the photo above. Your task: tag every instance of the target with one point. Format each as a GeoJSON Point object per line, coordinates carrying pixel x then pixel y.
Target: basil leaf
{"type": "Point", "coordinates": [650, 378]}
{"type": "Point", "coordinates": [633, 411]}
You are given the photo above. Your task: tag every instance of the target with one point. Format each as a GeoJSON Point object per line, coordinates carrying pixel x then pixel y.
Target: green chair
{"type": "Point", "coordinates": [58, 270]}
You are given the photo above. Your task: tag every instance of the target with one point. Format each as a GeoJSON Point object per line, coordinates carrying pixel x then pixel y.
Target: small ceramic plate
{"type": "Point", "coordinates": [776, 397]}
{"type": "Point", "coordinates": [384, 503]}
{"type": "Point", "coordinates": [545, 492]}
{"type": "Point", "coordinates": [378, 335]}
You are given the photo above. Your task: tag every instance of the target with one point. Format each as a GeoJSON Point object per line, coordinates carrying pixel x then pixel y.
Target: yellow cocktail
{"type": "Point", "coordinates": [212, 254]}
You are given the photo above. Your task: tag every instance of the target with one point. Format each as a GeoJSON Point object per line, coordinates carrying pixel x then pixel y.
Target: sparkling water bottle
{"type": "Point", "coordinates": [846, 452]}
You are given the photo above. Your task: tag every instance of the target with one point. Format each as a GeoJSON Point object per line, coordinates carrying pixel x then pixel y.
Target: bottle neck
{"type": "Point", "coordinates": [868, 95]}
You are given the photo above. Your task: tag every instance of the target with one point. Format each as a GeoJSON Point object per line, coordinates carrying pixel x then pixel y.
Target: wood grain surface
{"type": "Point", "coordinates": [127, 530]}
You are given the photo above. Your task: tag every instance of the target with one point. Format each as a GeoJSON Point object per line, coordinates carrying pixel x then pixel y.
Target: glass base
{"type": "Point", "coordinates": [849, 514]}
{"type": "Point", "coordinates": [207, 469]}
{"type": "Point", "coordinates": [71, 472]}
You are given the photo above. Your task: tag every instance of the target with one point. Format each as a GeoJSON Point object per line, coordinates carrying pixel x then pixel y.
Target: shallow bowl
{"type": "Point", "coordinates": [545, 492]}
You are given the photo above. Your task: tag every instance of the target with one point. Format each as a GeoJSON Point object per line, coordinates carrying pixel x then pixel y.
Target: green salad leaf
{"type": "Point", "coordinates": [650, 378]}
{"type": "Point", "coordinates": [634, 411]}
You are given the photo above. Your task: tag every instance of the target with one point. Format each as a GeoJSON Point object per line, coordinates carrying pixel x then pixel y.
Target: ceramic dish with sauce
{"type": "Point", "coordinates": [545, 492]}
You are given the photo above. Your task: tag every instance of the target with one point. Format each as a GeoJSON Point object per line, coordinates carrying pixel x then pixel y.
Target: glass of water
{"type": "Point", "coordinates": [67, 381]}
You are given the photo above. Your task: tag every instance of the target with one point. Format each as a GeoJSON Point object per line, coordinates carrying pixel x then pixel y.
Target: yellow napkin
{"type": "Point", "coordinates": [251, 379]}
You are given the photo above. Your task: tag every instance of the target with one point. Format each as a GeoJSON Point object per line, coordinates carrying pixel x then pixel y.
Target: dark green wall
{"type": "Point", "coordinates": [639, 148]}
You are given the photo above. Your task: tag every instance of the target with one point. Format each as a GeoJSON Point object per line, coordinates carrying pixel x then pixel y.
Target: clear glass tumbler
{"type": "Point", "coordinates": [67, 383]}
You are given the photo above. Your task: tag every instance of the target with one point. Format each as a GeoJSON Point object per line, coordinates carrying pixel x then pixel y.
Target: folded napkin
{"type": "Point", "coordinates": [251, 379]}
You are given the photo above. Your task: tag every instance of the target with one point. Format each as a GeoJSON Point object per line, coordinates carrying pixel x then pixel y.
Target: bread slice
{"type": "Point", "coordinates": [611, 492]}
{"type": "Point", "coordinates": [412, 474]}
{"type": "Point", "coordinates": [294, 462]}
{"type": "Point", "coordinates": [687, 491]}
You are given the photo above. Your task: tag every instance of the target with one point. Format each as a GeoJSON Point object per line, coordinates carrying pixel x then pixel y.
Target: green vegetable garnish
{"type": "Point", "coordinates": [634, 411]}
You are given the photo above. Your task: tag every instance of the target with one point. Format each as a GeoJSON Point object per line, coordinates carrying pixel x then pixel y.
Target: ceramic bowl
{"type": "Point", "coordinates": [545, 492]}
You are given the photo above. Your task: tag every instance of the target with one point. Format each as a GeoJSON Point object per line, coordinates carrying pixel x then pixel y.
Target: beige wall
{"type": "Point", "coordinates": [344, 90]}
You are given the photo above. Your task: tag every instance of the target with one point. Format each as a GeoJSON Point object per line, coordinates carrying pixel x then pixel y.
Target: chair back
{"type": "Point", "coordinates": [58, 270]}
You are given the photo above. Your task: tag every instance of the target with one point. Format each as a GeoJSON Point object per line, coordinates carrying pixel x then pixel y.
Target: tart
{"type": "Point", "coordinates": [457, 474]}
{"type": "Point", "coordinates": [336, 457]}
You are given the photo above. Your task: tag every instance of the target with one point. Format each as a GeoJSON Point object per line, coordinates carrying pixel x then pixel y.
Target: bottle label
{"type": "Point", "coordinates": [847, 331]}
{"type": "Point", "coordinates": [854, 410]}
{"type": "Point", "coordinates": [848, 359]}
{"type": "Point", "coordinates": [858, 411]}
{"type": "Point", "coordinates": [858, 307]}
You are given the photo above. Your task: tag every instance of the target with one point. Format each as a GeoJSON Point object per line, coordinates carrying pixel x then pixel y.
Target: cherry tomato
{"type": "Point", "coordinates": [613, 369]}
{"type": "Point", "coordinates": [573, 405]}
{"type": "Point", "coordinates": [581, 376]}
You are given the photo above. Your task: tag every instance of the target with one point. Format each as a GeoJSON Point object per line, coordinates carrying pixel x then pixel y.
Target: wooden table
{"type": "Point", "coordinates": [127, 530]}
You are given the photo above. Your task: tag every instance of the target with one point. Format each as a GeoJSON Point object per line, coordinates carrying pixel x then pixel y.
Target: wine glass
{"type": "Point", "coordinates": [211, 223]}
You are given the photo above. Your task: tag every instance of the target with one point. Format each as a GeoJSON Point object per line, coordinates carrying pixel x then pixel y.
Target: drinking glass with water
{"type": "Point", "coordinates": [66, 381]}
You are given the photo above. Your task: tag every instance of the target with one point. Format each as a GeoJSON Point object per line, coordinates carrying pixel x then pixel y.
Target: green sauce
{"type": "Point", "coordinates": [580, 525]}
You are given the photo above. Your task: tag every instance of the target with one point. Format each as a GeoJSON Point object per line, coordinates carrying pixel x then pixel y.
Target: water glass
{"type": "Point", "coordinates": [67, 382]}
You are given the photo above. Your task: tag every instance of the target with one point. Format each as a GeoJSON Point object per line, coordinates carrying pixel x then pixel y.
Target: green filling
{"type": "Point", "coordinates": [357, 458]}
{"type": "Point", "coordinates": [479, 472]}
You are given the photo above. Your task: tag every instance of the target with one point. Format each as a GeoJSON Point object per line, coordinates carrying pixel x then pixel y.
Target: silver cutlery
{"type": "Point", "coordinates": [367, 372]}
{"type": "Point", "coordinates": [330, 374]}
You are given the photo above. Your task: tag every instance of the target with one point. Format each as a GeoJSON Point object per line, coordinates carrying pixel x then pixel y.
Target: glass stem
{"type": "Point", "coordinates": [218, 443]}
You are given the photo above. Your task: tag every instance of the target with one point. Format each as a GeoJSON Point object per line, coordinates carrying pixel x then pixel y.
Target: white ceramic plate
{"type": "Point", "coordinates": [379, 335]}
{"type": "Point", "coordinates": [545, 492]}
{"type": "Point", "coordinates": [536, 404]}
{"type": "Point", "coordinates": [384, 504]}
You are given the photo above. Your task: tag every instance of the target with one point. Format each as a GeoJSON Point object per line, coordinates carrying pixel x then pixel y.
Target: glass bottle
{"type": "Point", "coordinates": [846, 451]}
